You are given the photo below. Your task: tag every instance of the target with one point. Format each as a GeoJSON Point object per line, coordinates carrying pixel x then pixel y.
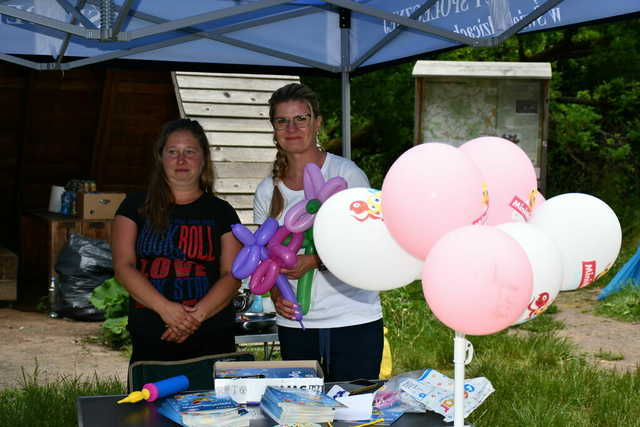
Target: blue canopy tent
{"type": "Point", "coordinates": [262, 36]}
{"type": "Point", "coordinates": [335, 36]}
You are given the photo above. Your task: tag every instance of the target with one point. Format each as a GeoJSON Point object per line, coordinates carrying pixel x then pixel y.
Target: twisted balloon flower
{"type": "Point", "coordinates": [254, 249]}
{"type": "Point", "coordinates": [316, 191]}
{"type": "Point", "coordinates": [262, 256]}
{"type": "Point", "coordinates": [301, 216]}
{"type": "Point", "coordinates": [268, 272]}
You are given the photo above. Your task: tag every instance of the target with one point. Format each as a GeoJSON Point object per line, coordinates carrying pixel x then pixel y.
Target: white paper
{"type": "Point", "coordinates": [359, 407]}
{"type": "Point", "coordinates": [337, 391]}
{"type": "Point", "coordinates": [55, 198]}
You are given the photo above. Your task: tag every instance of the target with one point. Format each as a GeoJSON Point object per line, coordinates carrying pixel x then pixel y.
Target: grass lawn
{"type": "Point", "coordinates": [538, 377]}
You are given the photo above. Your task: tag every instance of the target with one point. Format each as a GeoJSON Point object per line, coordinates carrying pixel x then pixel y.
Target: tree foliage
{"type": "Point", "coordinates": [594, 123]}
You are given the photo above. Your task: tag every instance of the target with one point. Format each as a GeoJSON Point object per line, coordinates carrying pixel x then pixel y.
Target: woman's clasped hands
{"type": "Point", "coordinates": [181, 321]}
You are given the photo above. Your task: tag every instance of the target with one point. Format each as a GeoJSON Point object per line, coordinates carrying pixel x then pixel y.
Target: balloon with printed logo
{"type": "Point", "coordinates": [587, 232]}
{"type": "Point", "coordinates": [546, 265]}
{"type": "Point", "coordinates": [354, 244]}
{"type": "Point", "coordinates": [510, 177]}
{"type": "Point", "coordinates": [429, 190]}
{"type": "Point", "coordinates": [477, 280]}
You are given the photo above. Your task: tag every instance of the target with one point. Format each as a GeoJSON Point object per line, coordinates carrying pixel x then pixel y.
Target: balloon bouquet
{"type": "Point", "coordinates": [490, 250]}
{"type": "Point", "coordinates": [273, 247]}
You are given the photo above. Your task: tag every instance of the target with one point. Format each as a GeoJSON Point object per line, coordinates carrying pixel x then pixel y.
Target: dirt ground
{"type": "Point", "coordinates": [596, 334]}
{"type": "Point", "coordinates": [60, 347]}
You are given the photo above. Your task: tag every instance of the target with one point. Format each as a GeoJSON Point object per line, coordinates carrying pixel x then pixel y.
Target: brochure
{"type": "Point", "coordinates": [203, 408]}
{"type": "Point", "coordinates": [289, 405]}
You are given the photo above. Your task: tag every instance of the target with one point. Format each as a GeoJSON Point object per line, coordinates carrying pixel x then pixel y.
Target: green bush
{"type": "Point", "coordinates": [113, 300]}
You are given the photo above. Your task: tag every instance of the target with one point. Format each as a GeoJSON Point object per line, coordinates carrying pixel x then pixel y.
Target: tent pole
{"type": "Point", "coordinates": [346, 115]}
{"type": "Point", "coordinates": [345, 55]}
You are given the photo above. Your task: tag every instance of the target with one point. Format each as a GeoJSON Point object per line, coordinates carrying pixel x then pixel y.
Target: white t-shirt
{"type": "Point", "coordinates": [334, 303]}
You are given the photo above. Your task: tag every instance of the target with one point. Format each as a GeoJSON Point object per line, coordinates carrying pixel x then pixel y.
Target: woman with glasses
{"type": "Point", "coordinates": [173, 249]}
{"type": "Point", "coordinates": [343, 328]}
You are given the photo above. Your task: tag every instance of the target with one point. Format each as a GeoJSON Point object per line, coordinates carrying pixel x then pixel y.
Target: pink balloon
{"type": "Point", "coordinates": [263, 279]}
{"type": "Point", "coordinates": [281, 235]}
{"type": "Point", "coordinates": [331, 187]}
{"type": "Point", "coordinates": [510, 178]}
{"type": "Point", "coordinates": [429, 190]}
{"type": "Point", "coordinates": [277, 255]}
{"type": "Point", "coordinates": [298, 219]}
{"type": "Point", "coordinates": [477, 280]}
{"type": "Point", "coordinates": [312, 180]}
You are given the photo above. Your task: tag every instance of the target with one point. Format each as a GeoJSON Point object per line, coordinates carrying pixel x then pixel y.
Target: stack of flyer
{"type": "Point", "coordinates": [292, 405]}
{"type": "Point", "coordinates": [204, 409]}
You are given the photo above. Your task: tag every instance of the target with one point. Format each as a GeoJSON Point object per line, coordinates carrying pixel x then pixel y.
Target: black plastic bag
{"type": "Point", "coordinates": [83, 264]}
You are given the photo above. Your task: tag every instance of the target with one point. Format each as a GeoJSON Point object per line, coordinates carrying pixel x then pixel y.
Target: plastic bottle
{"type": "Point", "coordinates": [66, 201]}
{"type": "Point", "coordinates": [256, 305]}
{"type": "Point", "coordinates": [53, 296]}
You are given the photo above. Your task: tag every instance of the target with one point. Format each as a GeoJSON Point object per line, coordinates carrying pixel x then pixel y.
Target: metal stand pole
{"type": "Point", "coordinates": [345, 54]}
{"type": "Point", "coordinates": [462, 355]}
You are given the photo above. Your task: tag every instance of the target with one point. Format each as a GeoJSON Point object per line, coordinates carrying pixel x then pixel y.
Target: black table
{"type": "Point", "coordinates": [103, 411]}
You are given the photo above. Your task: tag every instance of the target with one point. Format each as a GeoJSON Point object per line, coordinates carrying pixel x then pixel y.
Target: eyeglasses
{"type": "Point", "coordinates": [300, 121]}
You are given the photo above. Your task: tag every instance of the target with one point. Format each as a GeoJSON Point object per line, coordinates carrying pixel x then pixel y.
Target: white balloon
{"type": "Point", "coordinates": [353, 242]}
{"type": "Point", "coordinates": [546, 264]}
{"type": "Point", "coordinates": [587, 232]}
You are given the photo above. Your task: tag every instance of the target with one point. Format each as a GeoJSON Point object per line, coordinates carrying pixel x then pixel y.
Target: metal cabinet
{"type": "Point", "coordinates": [457, 101]}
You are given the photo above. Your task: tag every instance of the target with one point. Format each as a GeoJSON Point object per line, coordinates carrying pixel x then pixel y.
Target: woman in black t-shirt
{"type": "Point", "coordinates": [173, 249]}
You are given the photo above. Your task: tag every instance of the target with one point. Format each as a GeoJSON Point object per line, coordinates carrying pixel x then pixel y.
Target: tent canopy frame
{"type": "Point", "coordinates": [82, 27]}
{"type": "Point", "coordinates": [113, 17]}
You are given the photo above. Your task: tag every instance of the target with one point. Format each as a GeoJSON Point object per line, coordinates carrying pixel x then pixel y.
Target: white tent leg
{"type": "Point", "coordinates": [462, 355]}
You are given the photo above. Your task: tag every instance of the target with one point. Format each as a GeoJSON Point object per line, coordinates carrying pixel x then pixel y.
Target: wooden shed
{"type": "Point", "coordinates": [233, 109]}
{"type": "Point", "coordinates": [100, 123]}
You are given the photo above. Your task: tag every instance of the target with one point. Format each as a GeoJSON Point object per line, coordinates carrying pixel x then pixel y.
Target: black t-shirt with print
{"type": "Point", "coordinates": [182, 263]}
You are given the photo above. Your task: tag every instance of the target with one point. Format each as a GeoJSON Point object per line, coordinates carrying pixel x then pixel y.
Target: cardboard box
{"type": "Point", "coordinates": [98, 205]}
{"type": "Point", "coordinates": [250, 390]}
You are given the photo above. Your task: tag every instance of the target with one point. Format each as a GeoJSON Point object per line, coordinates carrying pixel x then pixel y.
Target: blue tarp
{"type": "Point", "coordinates": [628, 275]}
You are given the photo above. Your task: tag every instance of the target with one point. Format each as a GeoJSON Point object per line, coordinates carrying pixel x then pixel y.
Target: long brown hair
{"type": "Point", "coordinates": [159, 196]}
{"type": "Point", "coordinates": [290, 92]}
